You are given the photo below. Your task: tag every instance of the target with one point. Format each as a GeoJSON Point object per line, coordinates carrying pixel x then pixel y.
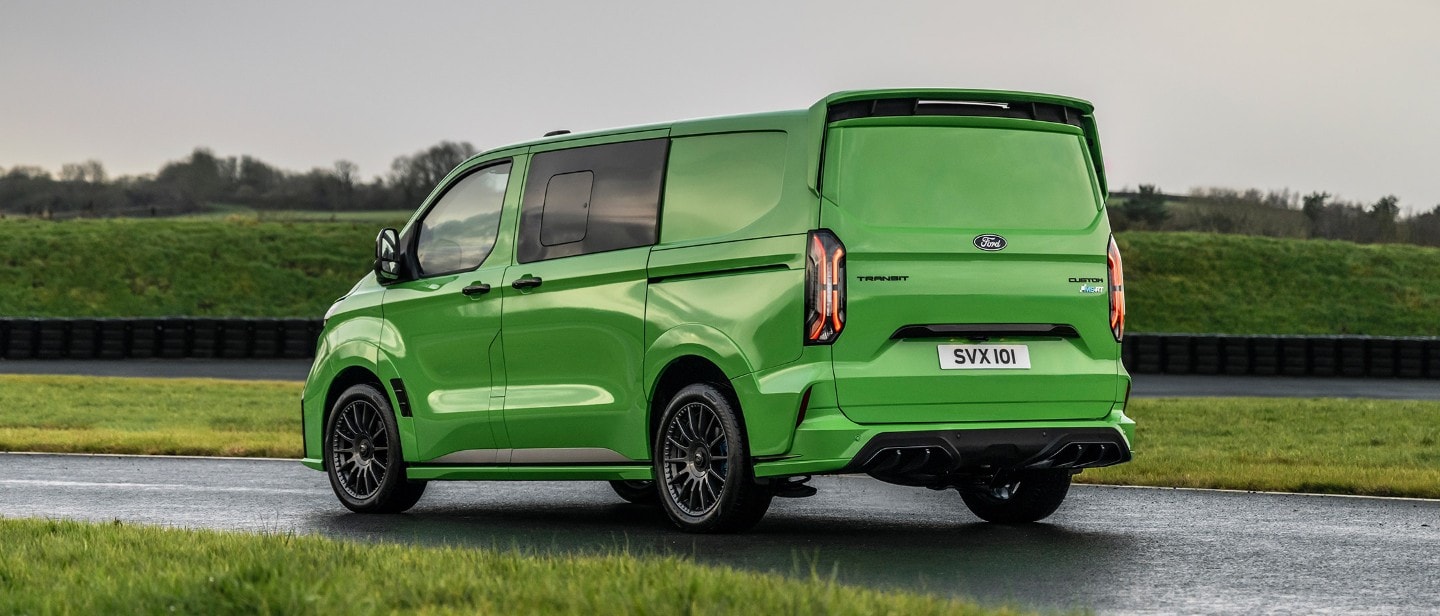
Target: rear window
{"type": "Point", "coordinates": [961, 177]}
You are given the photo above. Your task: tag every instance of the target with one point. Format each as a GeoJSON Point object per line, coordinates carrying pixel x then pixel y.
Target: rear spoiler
{"type": "Point", "coordinates": [987, 103]}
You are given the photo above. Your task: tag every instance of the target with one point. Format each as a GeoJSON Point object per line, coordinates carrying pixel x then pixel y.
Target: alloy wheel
{"type": "Point", "coordinates": [696, 458]}
{"type": "Point", "coordinates": [360, 449]}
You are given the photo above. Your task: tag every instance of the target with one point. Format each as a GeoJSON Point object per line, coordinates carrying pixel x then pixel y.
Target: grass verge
{"type": "Point", "coordinates": [70, 567]}
{"type": "Point", "coordinates": [1372, 447]}
{"type": "Point", "coordinates": [1232, 284]}
{"type": "Point", "coordinates": [287, 264]}
{"type": "Point", "coordinates": [205, 417]}
{"type": "Point", "coordinates": [1324, 445]}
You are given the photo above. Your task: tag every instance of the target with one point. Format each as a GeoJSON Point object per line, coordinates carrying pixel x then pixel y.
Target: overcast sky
{"type": "Point", "coordinates": [1311, 95]}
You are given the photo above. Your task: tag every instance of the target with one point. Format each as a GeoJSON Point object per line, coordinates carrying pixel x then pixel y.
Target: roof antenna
{"type": "Point", "coordinates": [557, 132]}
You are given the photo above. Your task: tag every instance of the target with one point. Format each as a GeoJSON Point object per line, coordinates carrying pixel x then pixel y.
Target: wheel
{"type": "Point", "coordinates": [1028, 497]}
{"type": "Point", "coordinates": [640, 492]}
{"type": "Point", "coordinates": [362, 454]}
{"type": "Point", "coordinates": [703, 464]}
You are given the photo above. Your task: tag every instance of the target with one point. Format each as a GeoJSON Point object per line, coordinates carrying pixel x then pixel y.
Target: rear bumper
{"type": "Point", "coordinates": [829, 442]}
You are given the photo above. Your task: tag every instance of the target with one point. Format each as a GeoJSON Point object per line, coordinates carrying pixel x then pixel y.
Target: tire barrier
{"type": "Point", "coordinates": [295, 338]}
{"type": "Point", "coordinates": [1324, 356]}
{"type": "Point", "coordinates": [162, 337]}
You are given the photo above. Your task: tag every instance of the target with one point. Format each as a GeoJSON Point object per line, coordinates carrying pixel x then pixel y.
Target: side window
{"type": "Point", "coordinates": [566, 212]}
{"type": "Point", "coordinates": [591, 199]}
{"type": "Point", "coordinates": [459, 230]}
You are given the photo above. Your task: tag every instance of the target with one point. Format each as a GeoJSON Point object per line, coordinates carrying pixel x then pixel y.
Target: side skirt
{"type": "Point", "coordinates": [514, 472]}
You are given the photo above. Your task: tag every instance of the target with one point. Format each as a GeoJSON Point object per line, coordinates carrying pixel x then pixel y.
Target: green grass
{"type": "Point", "coordinates": [1383, 448]}
{"type": "Point", "coordinates": [76, 414]}
{"type": "Point", "coordinates": [70, 567]}
{"type": "Point", "coordinates": [167, 267]}
{"type": "Point", "coordinates": [1333, 446]}
{"type": "Point", "coordinates": [236, 265]}
{"type": "Point", "coordinates": [1194, 282]}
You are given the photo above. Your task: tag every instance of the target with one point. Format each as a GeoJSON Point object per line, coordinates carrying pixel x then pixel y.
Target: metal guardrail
{"type": "Point", "coordinates": [241, 338]}
{"type": "Point", "coordinates": [159, 337]}
{"type": "Point", "coordinates": [1322, 356]}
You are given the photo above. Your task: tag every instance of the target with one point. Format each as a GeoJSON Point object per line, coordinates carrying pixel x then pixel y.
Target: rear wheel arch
{"type": "Point", "coordinates": [679, 373]}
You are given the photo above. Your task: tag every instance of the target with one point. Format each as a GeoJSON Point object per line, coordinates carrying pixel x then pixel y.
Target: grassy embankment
{"type": "Point", "coordinates": [102, 268]}
{"type": "Point", "coordinates": [1385, 448]}
{"type": "Point", "coordinates": [1176, 282]}
{"type": "Point", "coordinates": [69, 567]}
{"type": "Point", "coordinates": [1209, 283]}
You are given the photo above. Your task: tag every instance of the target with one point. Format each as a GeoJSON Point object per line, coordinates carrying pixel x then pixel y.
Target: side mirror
{"type": "Point", "coordinates": [387, 258]}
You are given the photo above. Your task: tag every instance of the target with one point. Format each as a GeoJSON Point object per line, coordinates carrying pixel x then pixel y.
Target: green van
{"type": "Point", "coordinates": [919, 285]}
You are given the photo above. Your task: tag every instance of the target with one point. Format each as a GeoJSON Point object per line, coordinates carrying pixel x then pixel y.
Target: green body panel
{"type": "Point", "coordinates": [573, 364]}
{"type": "Point", "coordinates": [572, 351]}
{"type": "Point", "coordinates": [771, 398]}
{"type": "Point", "coordinates": [816, 117]}
{"type": "Point", "coordinates": [742, 292]}
{"type": "Point", "coordinates": [743, 171]}
{"type": "Point", "coordinates": [441, 349]}
{"type": "Point", "coordinates": [348, 341]}
{"type": "Point", "coordinates": [907, 195]}
{"type": "Point", "coordinates": [440, 342]}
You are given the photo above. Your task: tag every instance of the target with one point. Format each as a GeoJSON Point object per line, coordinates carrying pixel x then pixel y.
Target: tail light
{"type": "Point", "coordinates": [1117, 290]}
{"type": "Point", "coordinates": [824, 288]}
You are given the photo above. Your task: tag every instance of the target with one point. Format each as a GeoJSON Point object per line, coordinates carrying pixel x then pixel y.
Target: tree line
{"type": "Point", "coordinates": [1281, 213]}
{"type": "Point", "coordinates": [189, 185]}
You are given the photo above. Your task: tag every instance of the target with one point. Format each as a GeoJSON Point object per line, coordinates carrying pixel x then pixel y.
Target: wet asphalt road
{"type": "Point", "coordinates": [1146, 385]}
{"type": "Point", "coordinates": [1115, 550]}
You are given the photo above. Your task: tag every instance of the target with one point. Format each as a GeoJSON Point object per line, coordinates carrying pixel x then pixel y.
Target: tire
{"type": "Point", "coordinates": [640, 492]}
{"type": "Point", "coordinates": [362, 454]}
{"type": "Point", "coordinates": [702, 463]}
{"type": "Point", "coordinates": [1029, 497]}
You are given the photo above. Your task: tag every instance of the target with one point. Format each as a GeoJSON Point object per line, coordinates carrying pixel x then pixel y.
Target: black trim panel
{"type": "Point", "coordinates": [943, 457]}
{"type": "Point", "coordinates": [721, 272]}
{"type": "Point", "coordinates": [892, 107]}
{"type": "Point", "coordinates": [985, 330]}
{"type": "Point", "coordinates": [401, 399]}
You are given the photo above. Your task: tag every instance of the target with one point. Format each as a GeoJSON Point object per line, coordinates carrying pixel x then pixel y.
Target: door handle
{"type": "Point", "coordinates": [476, 289]}
{"type": "Point", "coordinates": [528, 282]}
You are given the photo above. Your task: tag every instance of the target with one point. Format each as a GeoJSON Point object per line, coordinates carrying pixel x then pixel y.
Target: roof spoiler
{"type": "Point", "coordinates": [924, 101]}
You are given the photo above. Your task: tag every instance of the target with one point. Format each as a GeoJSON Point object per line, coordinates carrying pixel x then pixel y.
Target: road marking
{"type": "Point", "coordinates": [145, 455]}
{"type": "Point", "coordinates": [857, 476]}
{"type": "Point", "coordinates": [1266, 492]}
{"type": "Point", "coordinates": [146, 486]}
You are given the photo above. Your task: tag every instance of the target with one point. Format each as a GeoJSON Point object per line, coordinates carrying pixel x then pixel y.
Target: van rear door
{"type": "Point", "coordinates": [975, 258]}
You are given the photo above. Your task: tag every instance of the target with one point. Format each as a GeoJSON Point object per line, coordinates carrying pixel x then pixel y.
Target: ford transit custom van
{"type": "Point", "coordinates": [918, 285]}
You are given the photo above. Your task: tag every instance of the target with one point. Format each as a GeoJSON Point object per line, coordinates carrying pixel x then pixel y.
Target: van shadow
{"type": "Point", "coordinates": [1041, 563]}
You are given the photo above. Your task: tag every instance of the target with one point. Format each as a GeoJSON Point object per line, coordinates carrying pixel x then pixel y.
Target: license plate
{"type": "Point", "coordinates": [984, 357]}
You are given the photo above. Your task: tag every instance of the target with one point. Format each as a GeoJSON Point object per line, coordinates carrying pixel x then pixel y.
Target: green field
{"type": "Point", "coordinates": [1208, 283]}
{"type": "Point", "coordinates": [1331, 446]}
{"type": "Point", "coordinates": [69, 567]}
{"type": "Point", "coordinates": [203, 417]}
{"type": "Point", "coordinates": [1385, 448]}
{"type": "Point", "coordinates": [233, 264]}
{"type": "Point", "coordinates": [185, 268]}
